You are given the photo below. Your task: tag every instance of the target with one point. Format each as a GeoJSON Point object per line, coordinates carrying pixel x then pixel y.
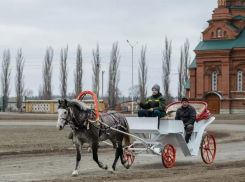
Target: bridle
{"type": "Point", "coordinates": [67, 120]}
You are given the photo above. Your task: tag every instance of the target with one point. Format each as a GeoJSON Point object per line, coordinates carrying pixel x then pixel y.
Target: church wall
{"type": "Point", "coordinates": [225, 78]}
{"type": "Point", "coordinates": [225, 62]}
{"type": "Point", "coordinates": [238, 106]}
{"type": "Point", "coordinates": [239, 24]}
{"type": "Point", "coordinates": [200, 80]}
{"type": "Point", "coordinates": [236, 12]}
{"type": "Point", "coordinates": [213, 30]}
{"type": "Point", "coordinates": [207, 86]}
{"type": "Point", "coordinates": [225, 107]}
{"type": "Point", "coordinates": [235, 3]}
{"type": "Point", "coordinates": [193, 83]}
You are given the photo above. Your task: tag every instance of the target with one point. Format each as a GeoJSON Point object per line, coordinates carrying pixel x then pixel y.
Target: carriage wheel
{"type": "Point", "coordinates": [168, 155]}
{"type": "Point", "coordinates": [208, 148]}
{"type": "Point", "coordinates": [129, 156]}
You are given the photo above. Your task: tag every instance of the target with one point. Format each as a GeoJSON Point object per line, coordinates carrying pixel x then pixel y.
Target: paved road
{"type": "Point", "coordinates": [60, 166]}
{"type": "Point", "coordinates": [52, 123]}
{"type": "Point", "coordinates": [28, 123]}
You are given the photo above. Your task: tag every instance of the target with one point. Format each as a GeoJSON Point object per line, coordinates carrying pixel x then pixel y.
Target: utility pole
{"type": "Point", "coordinates": [98, 79]}
{"type": "Point", "coordinates": [132, 73]}
{"type": "Point", "coordinates": [103, 88]}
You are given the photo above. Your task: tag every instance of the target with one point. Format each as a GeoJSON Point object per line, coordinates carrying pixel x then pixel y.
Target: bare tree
{"type": "Point", "coordinates": [143, 69]}
{"type": "Point", "coordinates": [47, 74]}
{"type": "Point", "coordinates": [5, 76]}
{"type": "Point", "coordinates": [78, 75]}
{"type": "Point", "coordinates": [72, 95]}
{"type": "Point", "coordinates": [40, 92]}
{"type": "Point", "coordinates": [19, 79]}
{"type": "Point", "coordinates": [187, 59]}
{"type": "Point", "coordinates": [63, 72]}
{"type": "Point", "coordinates": [29, 93]}
{"type": "Point", "coordinates": [96, 70]}
{"type": "Point", "coordinates": [114, 75]}
{"type": "Point", "coordinates": [166, 66]}
{"type": "Point", "coordinates": [134, 91]}
{"type": "Point", "coordinates": [181, 75]}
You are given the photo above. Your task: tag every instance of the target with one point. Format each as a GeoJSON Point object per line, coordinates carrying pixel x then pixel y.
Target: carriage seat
{"type": "Point", "coordinates": [172, 108]}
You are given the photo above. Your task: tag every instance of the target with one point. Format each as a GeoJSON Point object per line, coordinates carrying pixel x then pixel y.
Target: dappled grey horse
{"type": "Point", "coordinates": [80, 117]}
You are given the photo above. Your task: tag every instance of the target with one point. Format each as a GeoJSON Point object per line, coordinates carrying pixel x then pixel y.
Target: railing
{"type": "Point", "coordinates": [51, 106]}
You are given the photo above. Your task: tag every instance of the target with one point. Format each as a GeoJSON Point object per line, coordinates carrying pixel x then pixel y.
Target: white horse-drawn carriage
{"type": "Point", "coordinates": [152, 136]}
{"type": "Point", "coordinates": [162, 137]}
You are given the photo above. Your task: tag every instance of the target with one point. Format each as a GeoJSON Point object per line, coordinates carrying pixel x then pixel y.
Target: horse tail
{"type": "Point", "coordinates": [126, 138]}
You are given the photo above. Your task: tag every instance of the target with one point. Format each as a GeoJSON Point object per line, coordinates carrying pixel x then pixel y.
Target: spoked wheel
{"type": "Point", "coordinates": [208, 148]}
{"type": "Point", "coordinates": [168, 155]}
{"type": "Point", "coordinates": [129, 156]}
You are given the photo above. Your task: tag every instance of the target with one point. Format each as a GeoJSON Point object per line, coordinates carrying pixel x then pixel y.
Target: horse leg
{"type": "Point", "coordinates": [89, 149]}
{"type": "Point", "coordinates": [124, 161]}
{"type": "Point", "coordinates": [95, 155]}
{"type": "Point", "coordinates": [118, 153]}
{"type": "Point", "coordinates": [79, 150]}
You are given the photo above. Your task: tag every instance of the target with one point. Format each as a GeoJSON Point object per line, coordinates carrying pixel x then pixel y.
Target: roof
{"type": "Point", "coordinates": [193, 64]}
{"type": "Point", "coordinates": [222, 44]}
{"type": "Point", "coordinates": [187, 85]}
{"type": "Point", "coordinates": [232, 26]}
{"type": "Point", "coordinates": [238, 17]}
{"type": "Point", "coordinates": [237, 7]}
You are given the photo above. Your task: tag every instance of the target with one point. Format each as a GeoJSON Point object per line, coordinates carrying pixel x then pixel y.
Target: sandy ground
{"type": "Point", "coordinates": [42, 153]}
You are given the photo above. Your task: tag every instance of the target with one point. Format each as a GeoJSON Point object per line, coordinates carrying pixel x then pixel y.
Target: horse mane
{"type": "Point", "coordinates": [81, 105]}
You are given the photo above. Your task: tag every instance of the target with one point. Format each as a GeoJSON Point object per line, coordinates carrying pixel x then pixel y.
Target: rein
{"type": "Point", "coordinates": [88, 118]}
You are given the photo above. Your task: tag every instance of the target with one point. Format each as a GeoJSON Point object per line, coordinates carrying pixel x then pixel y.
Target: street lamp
{"type": "Point", "coordinates": [103, 88]}
{"type": "Point", "coordinates": [132, 73]}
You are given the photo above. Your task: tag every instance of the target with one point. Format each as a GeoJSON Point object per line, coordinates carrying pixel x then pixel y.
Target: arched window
{"type": "Point", "coordinates": [214, 81]}
{"type": "Point", "coordinates": [212, 34]}
{"type": "Point", "coordinates": [219, 33]}
{"type": "Point", "coordinates": [225, 34]}
{"type": "Point", "coordinates": [239, 80]}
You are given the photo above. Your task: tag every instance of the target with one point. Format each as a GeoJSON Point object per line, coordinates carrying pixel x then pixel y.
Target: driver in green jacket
{"type": "Point", "coordinates": [155, 104]}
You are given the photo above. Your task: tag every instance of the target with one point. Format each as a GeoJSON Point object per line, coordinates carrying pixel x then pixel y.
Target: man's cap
{"type": "Point", "coordinates": [157, 87]}
{"type": "Point", "coordinates": [184, 99]}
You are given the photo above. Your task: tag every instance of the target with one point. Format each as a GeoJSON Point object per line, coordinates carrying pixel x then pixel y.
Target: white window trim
{"type": "Point", "coordinates": [219, 33]}
{"type": "Point", "coordinates": [214, 82]}
{"type": "Point", "coordinates": [239, 83]}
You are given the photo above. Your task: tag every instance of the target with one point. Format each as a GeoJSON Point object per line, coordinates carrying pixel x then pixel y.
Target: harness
{"type": "Point", "coordinates": [95, 123]}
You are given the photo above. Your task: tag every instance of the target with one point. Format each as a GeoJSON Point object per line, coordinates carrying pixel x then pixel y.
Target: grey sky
{"type": "Point", "coordinates": [34, 25]}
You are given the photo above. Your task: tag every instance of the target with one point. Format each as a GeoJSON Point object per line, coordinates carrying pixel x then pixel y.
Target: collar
{"type": "Point", "coordinates": [157, 95]}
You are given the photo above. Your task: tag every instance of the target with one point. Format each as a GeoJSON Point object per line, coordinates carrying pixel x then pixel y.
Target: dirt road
{"type": "Point", "coordinates": [41, 153]}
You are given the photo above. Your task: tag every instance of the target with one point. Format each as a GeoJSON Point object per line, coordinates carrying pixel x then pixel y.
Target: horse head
{"type": "Point", "coordinates": [63, 114]}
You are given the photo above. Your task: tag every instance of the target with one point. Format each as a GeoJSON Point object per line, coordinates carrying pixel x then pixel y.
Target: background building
{"type": "Point", "coordinates": [217, 74]}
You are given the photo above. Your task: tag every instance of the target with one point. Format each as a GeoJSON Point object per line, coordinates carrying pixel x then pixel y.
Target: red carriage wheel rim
{"type": "Point", "coordinates": [129, 156]}
{"type": "Point", "coordinates": [208, 148]}
{"type": "Point", "coordinates": [168, 155]}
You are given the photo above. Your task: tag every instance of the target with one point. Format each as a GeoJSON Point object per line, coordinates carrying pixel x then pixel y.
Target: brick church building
{"type": "Point", "coordinates": [217, 74]}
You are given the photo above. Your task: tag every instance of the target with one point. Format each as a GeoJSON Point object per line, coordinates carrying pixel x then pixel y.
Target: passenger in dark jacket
{"type": "Point", "coordinates": [155, 104]}
{"type": "Point", "coordinates": [187, 114]}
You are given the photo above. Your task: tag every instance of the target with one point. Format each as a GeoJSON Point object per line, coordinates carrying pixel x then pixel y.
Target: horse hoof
{"type": "Point", "coordinates": [89, 150]}
{"type": "Point", "coordinates": [111, 170]}
{"type": "Point", "coordinates": [105, 167]}
{"type": "Point", "coordinates": [126, 165]}
{"type": "Point", "coordinates": [75, 173]}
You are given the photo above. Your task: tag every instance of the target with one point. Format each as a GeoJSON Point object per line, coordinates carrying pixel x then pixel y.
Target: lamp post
{"type": "Point", "coordinates": [132, 73]}
{"type": "Point", "coordinates": [103, 88]}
